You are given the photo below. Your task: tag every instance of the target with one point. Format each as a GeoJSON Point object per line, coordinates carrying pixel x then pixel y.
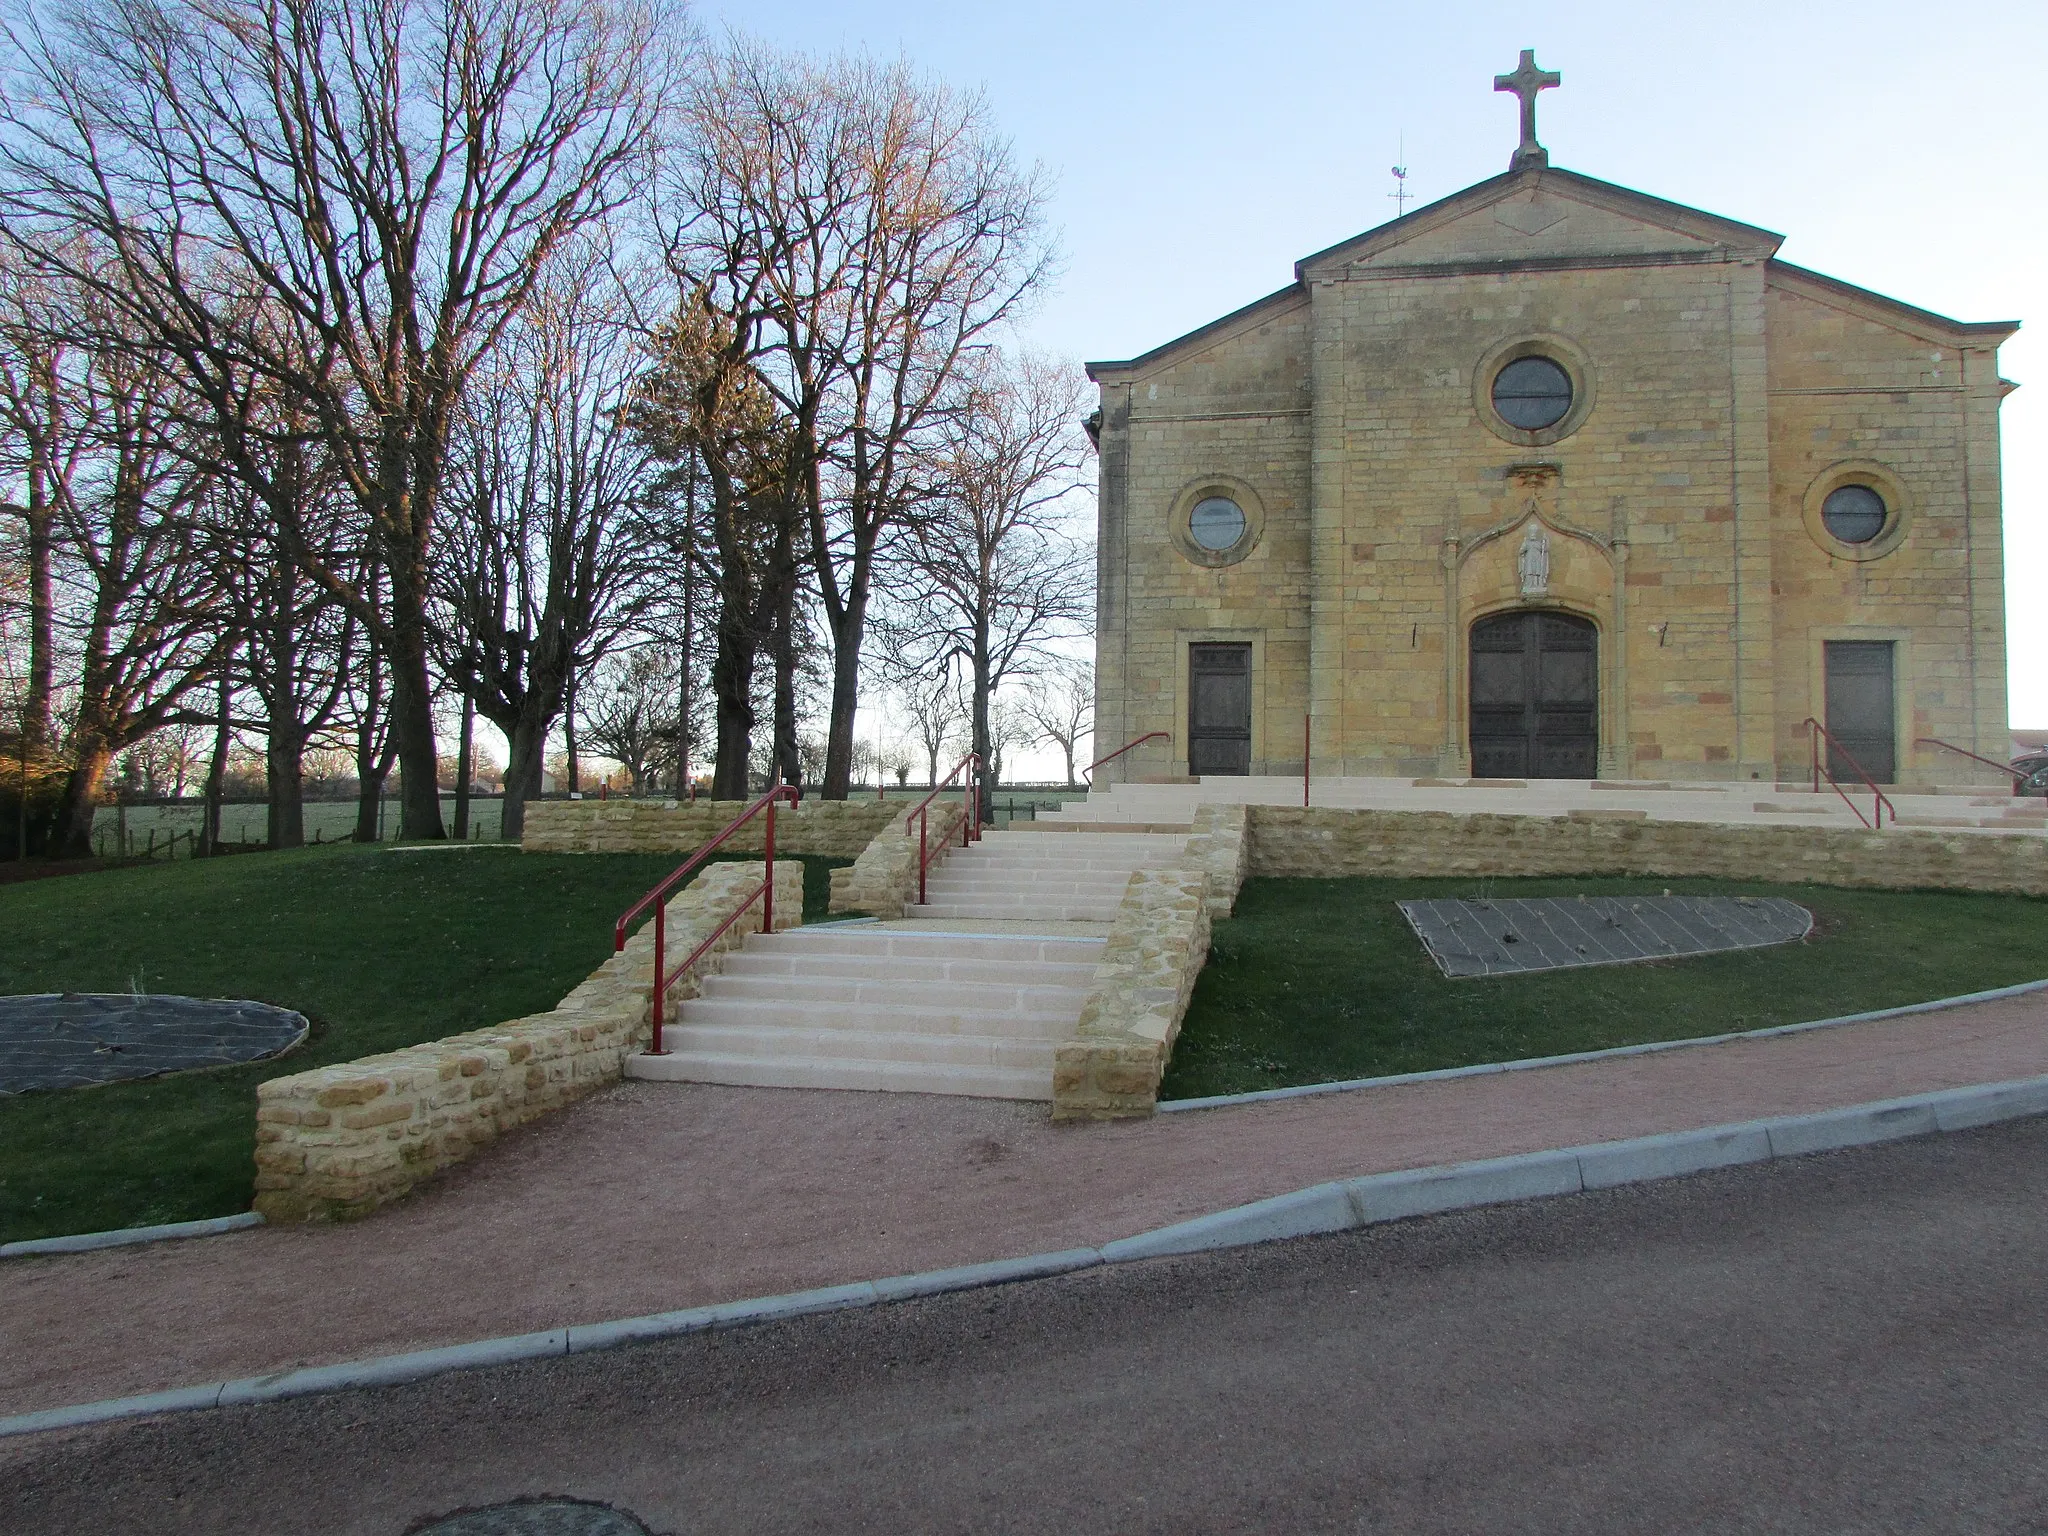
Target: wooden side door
{"type": "Point", "coordinates": [1220, 708]}
{"type": "Point", "coordinates": [1861, 706]}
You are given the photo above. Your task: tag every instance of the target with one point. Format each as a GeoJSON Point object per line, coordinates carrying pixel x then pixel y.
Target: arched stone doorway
{"type": "Point", "coordinates": [1535, 692]}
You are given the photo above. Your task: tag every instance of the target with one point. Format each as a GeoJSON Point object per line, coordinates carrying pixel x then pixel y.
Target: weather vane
{"type": "Point", "coordinates": [1401, 194]}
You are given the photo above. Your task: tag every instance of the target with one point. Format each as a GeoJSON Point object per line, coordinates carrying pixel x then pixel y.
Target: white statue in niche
{"type": "Point", "coordinates": [1534, 563]}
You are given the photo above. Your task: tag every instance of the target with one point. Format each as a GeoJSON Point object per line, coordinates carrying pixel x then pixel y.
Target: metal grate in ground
{"type": "Point", "coordinates": [1506, 938]}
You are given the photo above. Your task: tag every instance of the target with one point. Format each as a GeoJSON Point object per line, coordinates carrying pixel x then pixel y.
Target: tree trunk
{"type": "Point", "coordinates": [787, 762]}
{"type": "Point", "coordinates": [284, 764]}
{"type": "Point", "coordinates": [42, 621]}
{"type": "Point", "coordinates": [846, 641]}
{"type": "Point", "coordinates": [369, 769]}
{"type": "Point", "coordinates": [412, 727]}
{"type": "Point", "coordinates": [285, 750]}
{"type": "Point", "coordinates": [463, 772]}
{"type": "Point", "coordinates": [984, 740]}
{"type": "Point", "coordinates": [216, 772]}
{"type": "Point", "coordinates": [526, 739]}
{"type": "Point", "coordinates": [732, 686]}
{"type": "Point", "coordinates": [569, 725]}
{"type": "Point", "coordinates": [73, 838]}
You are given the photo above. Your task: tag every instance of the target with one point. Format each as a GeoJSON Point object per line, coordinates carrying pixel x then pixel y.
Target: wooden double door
{"type": "Point", "coordinates": [1535, 697]}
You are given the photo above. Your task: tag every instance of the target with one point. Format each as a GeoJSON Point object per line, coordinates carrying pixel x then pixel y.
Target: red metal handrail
{"type": "Point", "coordinates": [970, 824]}
{"type": "Point", "coordinates": [1875, 821]}
{"type": "Point", "coordinates": [1120, 751]}
{"type": "Point", "coordinates": [2019, 776]}
{"type": "Point", "coordinates": [763, 893]}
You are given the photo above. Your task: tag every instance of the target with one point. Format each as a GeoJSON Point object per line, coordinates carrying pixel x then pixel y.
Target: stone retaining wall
{"type": "Point", "coordinates": [837, 829]}
{"type": "Point", "coordinates": [884, 875]}
{"type": "Point", "coordinates": [1219, 843]}
{"type": "Point", "coordinates": [1156, 948]}
{"type": "Point", "coordinates": [339, 1141]}
{"type": "Point", "coordinates": [1314, 843]}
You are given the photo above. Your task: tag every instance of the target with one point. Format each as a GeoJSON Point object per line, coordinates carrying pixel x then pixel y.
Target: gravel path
{"type": "Point", "coordinates": [655, 1196]}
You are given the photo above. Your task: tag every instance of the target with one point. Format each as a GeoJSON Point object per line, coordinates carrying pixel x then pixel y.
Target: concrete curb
{"type": "Point", "coordinates": [120, 1237]}
{"type": "Point", "coordinates": [1339, 1206]}
{"type": "Point", "coordinates": [1532, 1063]}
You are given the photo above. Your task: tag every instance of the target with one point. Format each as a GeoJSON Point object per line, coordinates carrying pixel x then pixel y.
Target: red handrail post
{"type": "Point", "coordinates": [768, 900]}
{"type": "Point", "coordinates": [1304, 762]}
{"type": "Point", "coordinates": [660, 993]}
{"type": "Point", "coordinates": [656, 898]}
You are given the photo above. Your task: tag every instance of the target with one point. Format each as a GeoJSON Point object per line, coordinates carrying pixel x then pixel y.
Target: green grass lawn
{"type": "Point", "coordinates": [1321, 980]}
{"type": "Point", "coordinates": [379, 948]}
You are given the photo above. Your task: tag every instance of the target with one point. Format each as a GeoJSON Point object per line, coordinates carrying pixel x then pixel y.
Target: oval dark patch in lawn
{"type": "Point", "coordinates": [54, 1040]}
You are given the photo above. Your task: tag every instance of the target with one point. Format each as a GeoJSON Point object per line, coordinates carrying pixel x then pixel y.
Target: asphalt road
{"type": "Point", "coordinates": [1853, 1343]}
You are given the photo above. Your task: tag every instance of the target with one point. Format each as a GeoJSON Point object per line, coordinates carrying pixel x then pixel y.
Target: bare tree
{"type": "Point", "coordinates": [38, 454]}
{"type": "Point", "coordinates": [704, 410]}
{"type": "Point", "coordinates": [543, 568]}
{"type": "Point", "coordinates": [133, 605]}
{"type": "Point", "coordinates": [991, 573]}
{"type": "Point", "coordinates": [1059, 707]}
{"type": "Point", "coordinates": [629, 712]}
{"type": "Point", "coordinates": [866, 230]}
{"type": "Point", "coordinates": [932, 703]}
{"type": "Point", "coordinates": [346, 201]}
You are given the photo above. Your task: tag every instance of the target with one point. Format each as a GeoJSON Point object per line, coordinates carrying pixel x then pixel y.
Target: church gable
{"type": "Point", "coordinates": [1260, 350]}
{"type": "Point", "coordinates": [1541, 215]}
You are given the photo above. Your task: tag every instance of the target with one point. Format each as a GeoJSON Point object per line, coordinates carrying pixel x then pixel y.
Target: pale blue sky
{"type": "Point", "coordinates": [1200, 148]}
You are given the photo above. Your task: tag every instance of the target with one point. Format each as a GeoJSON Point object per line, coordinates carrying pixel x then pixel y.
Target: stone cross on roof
{"type": "Point", "coordinates": [1525, 82]}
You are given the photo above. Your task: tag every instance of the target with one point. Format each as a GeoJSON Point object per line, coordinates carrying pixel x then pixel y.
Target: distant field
{"type": "Point", "coordinates": [327, 821]}
{"type": "Point", "coordinates": [334, 821]}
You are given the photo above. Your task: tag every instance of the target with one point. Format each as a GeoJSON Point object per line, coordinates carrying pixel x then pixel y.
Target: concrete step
{"type": "Point", "coordinates": [1011, 1052]}
{"type": "Point", "coordinates": [830, 1072]}
{"type": "Point", "coordinates": [1023, 994]}
{"type": "Point", "coordinates": [856, 968]}
{"type": "Point", "coordinates": [1031, 1018]}
{"type": "Point", "coordinates": [975, 882]}
{"type": "Point", "coordinates": [867, 940]}
{"type": "Point", "coordinates": [1022, 908]}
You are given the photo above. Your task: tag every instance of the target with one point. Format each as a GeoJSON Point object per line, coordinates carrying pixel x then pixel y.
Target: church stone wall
{"type": "Point", "coordinates": [1674, 516]}
{"type": "Point", "coordinates": [1412, 467]}
{"type": "Point", "coordinates": [1849, 387]}
{"type": "Point", "coordinates": [1235, 410]}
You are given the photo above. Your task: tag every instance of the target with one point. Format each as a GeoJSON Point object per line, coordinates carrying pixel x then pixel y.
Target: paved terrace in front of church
{"type": "Point", "coordinates": [652, 1196]}
{"type": "Point", "coordinates": [1172, 803]}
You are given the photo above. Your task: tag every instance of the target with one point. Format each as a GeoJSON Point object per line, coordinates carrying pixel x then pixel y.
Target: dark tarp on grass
{"type": "Point", "coordinates": [1504, 938]}
{"type": "Point", "coordinates": [71, 1039]}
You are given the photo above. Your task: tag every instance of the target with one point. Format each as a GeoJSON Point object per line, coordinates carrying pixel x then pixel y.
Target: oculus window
{"type": "Point", "coordinates": [1532, 393]}
{"type": "Point", "coordinates": [1216, 523]}
{"type": "Point", "coordinates": [1855, 514]}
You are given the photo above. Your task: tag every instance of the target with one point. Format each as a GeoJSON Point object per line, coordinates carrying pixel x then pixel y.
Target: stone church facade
{"type": "Point", "coordinates": [1555, 479]}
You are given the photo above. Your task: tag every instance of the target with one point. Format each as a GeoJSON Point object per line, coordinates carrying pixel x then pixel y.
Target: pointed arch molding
{"type": "Point", "coordinates": [1531, 512]}
{"type": "Point", "coordinates": [1607, 609]}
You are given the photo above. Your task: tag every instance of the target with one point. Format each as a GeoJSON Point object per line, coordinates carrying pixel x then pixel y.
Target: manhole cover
{"type": "Point", "coordinates": [537, 1517]}
{"type": "Point", "coordinates": [70, 1039]}
{"type": "Point", "coordinates": [1504, 938]}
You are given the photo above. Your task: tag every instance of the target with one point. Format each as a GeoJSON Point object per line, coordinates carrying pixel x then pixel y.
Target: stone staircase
{"type": "Point", "coordinates": [960, 996]}
{"type": "Point", "coordinates": [1048, 877]}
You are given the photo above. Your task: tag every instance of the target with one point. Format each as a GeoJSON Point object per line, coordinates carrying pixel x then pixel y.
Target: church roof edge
{"type": "Point", "coordinates": [1898, 307]}
{"type": "Point", "coordinates": [1482, 192]}
{"type": "Point", "coordinates": [1214, 327]}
